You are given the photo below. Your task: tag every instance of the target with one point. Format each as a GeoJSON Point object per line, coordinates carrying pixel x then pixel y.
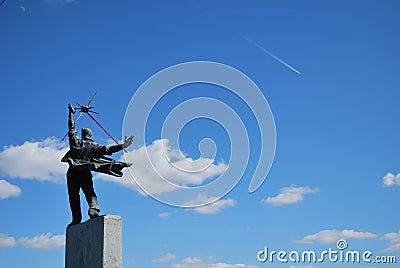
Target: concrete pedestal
{"type": "Point", "coordinates": [96, 243]}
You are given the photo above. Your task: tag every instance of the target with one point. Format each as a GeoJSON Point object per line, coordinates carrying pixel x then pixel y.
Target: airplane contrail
{"type": "Point", "coordinates": [272, 55]}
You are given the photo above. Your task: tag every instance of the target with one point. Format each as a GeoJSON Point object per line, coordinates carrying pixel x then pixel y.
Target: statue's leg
{"type": "Point", "coordinates": [73, 195]}
{"type": "Point", "coordinates": [90, 195]}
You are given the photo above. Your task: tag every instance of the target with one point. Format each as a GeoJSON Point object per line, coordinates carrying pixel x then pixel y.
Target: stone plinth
{"type": "Point", "coordinates": [96, 243]}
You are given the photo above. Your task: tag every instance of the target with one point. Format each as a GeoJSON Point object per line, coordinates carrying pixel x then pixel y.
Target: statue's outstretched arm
{"type": "Point", "coordinates": [127, 142]}
{"type": "Point", "coordinates": [108, 150]}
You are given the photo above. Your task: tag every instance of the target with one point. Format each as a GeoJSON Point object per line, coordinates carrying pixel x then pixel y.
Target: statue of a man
{"type": "Point", "coordinates": [84, 156]}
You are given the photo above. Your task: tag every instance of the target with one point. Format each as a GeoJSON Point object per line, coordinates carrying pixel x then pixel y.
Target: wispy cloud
{"type": "Point", "coordinates": [164, 215]}
{"type": "Point", "coordinates": [207, 262]}
{"type": "Point", "coordinates": [7, 241]}
{"type": "Point", "coordinates": [8, 190]}
{"type": "Point", "coordinates": [212, 208]}
{"type": "Point", "coordinates": [59, 1]}
{"type": "Point", "coordinates": [330, 236]}
{"type": "Point", "coordinates": [391, 180]}
{"type": "Point", "coordinates": [394, 239]}
{"type": "Point", "coordinates": [166, 258]}
{"type": "Point", "coordinates": [36, 160]}
{"type": "Point", "coordinates": [289, 195]}
{"type": "Point", "coordinates": [273, 56]}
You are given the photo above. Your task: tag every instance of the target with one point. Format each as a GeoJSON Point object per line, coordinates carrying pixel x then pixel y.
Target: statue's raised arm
{"type": "Point", "coordinates": [72, 135]}
{"type": "Point", "coordinates": [71, 122]}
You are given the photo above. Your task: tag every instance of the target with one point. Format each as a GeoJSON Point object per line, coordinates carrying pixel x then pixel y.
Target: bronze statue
{"type": "Point", "coordinates": [83, 157]}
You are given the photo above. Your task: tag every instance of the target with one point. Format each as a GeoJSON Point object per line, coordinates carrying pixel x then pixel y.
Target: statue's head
{"type": "Point", "coordinates": [86, 134]}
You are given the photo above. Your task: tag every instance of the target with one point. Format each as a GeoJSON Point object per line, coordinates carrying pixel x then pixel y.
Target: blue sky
{"type": "Point", "coordinates": [336, 170]}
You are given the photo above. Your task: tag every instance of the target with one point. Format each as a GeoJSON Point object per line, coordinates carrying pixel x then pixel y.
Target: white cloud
{"type": "Point", "coordinates": [44, 241]}
{"type": "Point", "coordinates": [195, 262]}
{"type": "Point", "coordinates": [207, 262]}
{"type": "Point", "coordinates": [150, 178]}
{"type": "Point", "coordinates": [166, 258]}
{"type": "Point", "coordinates": [7, 241]}
{"type": "Point", "coordinates": [391, 179]}
{"type": "Point", "coordinates": [330, 236]}
{"type": "Point", "coordinates": [8, 190]}
{"type": "Point", "coordinates": [301, 266]}
{"type": "Point", "coordinates": [394, 239]}
{"type": "Point", "coordinates": [39, 160]}
{"type": "Point", "coordinates": [225, 265]}
{"type": "Point", "coordinates": [289, 195]}
{"type": "Point", "coordinates": [164, 215]}
{"type": "Point", "coordinates": [212, 208]}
